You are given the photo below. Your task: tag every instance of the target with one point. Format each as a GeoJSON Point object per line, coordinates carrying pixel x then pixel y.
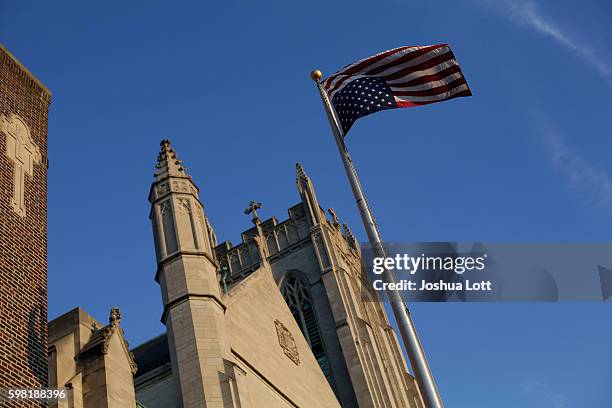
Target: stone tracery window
{"type": "Point", "coordinates": [297, 296]}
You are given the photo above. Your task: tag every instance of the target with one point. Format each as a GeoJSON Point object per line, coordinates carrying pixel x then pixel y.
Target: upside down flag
{"type": "Point", "coordinates": [399, 78]}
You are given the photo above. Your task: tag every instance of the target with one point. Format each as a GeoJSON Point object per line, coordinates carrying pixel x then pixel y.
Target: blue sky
{"type": "Point", "coordinates": [527, 158]}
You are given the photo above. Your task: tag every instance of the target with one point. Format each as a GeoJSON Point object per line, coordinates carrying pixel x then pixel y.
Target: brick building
{"type": "Point", "coordinates": [24, 107]}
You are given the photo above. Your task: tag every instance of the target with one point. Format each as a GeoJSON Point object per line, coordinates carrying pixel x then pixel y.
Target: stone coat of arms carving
{"type": "Point", "coordinates": [287, 343]}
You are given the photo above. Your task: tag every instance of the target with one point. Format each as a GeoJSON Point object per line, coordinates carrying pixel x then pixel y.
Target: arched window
{"type": "Point", "coordinates": [298, 299]}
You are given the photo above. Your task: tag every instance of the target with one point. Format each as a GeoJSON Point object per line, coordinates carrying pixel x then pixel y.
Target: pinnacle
{"type": "Point", "coordinates": [168, 163]}
{"type": "Point", "coordinates": [299, 170]}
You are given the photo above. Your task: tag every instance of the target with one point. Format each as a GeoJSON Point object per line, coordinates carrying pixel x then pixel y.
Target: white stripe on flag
{"type": "Point", "coordinates": [432, 98]}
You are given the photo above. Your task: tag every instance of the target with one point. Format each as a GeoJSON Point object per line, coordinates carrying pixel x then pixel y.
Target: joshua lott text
{"type": "Point", "coordinates": [484, 285]}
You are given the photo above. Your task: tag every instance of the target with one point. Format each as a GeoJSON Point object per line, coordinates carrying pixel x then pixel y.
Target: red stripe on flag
{"type": "Point", "coordinates": [447, 56]}
{"type": "Point", "coordinates": [457, 95]}
{"type": "Point", "coordinates": [405, 104]}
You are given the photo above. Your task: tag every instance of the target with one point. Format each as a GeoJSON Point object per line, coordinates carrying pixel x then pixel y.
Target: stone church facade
{"type": "Point", "coordinates": [285, 318]}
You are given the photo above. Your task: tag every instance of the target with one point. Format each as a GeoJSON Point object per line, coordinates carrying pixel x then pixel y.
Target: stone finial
{"type": "Point", "coordinates": [299, 171]}
{"type": "Point", "coordinates": [334, 216]}
{"type": "Point", "coordinates": [167, 162]}
{"type": "Point", "coordinates": [115, 316]}
{"type": "Point", "coordinates": [252, 209]}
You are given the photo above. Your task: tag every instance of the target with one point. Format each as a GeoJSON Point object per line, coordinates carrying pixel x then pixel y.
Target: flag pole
{"type": "Point", "coordinates": [407, 329]}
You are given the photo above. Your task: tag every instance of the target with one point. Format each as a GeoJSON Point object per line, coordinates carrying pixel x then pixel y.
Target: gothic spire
{"type": "Point", "coordinates": [167, 162]}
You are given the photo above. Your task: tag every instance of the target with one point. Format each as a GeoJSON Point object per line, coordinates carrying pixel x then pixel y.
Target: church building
{"type": "Point", "coordinates": [285, 318]}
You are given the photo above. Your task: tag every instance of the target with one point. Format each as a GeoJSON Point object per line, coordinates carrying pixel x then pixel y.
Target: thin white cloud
{"type": "Point", "coordinates": [589, 180]}
{"type": "Point", "coordinates": [543, 395]}
{"type": "Point", "coordinates": [527, 13]}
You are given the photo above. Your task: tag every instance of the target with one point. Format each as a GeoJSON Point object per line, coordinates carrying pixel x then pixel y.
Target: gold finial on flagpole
{"type": "Point", "coordinates": [316, 75]}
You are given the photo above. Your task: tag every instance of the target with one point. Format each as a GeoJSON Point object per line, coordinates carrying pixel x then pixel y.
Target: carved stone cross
{"type": "Point", "coordinates": [252, 208]}
{"type": "Point", "coordinates": [22, 151]}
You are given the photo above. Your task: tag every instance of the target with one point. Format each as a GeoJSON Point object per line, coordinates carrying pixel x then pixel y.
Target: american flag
{"type": "Point", "coordinates": [399, 78]}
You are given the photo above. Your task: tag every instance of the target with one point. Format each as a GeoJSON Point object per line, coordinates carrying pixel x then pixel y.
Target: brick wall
{"type": "Point", "coordinates": [23, 240]}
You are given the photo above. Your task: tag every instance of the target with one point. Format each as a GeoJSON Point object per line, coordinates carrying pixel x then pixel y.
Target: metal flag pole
{"type": "Point", "coordinates": [416, 355]}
